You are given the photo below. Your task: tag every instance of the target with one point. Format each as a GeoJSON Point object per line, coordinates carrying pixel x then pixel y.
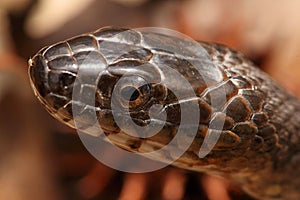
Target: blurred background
{"type": "Point", "coordinates": [42, 159]}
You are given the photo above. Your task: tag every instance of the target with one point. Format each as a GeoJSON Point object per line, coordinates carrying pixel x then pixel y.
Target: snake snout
{"type": "Point", "coordinates": [37, 74]}
{"type": "Point", "coordinates": [52, 87]}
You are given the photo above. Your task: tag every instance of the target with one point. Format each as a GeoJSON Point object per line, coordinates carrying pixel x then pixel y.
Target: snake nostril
{"type": "Point", "coordinates": [61, 83]}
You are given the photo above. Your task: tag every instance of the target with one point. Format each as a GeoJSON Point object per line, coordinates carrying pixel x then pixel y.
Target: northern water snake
{"type": "Point", "coordinates": [258, 144]}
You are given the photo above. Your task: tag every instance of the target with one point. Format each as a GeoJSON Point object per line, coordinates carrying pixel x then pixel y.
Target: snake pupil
{"type": "Point", "coordinates": [130, 93]}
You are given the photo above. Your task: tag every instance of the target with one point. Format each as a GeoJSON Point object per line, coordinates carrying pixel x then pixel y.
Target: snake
{"type": "Point", "coordinates": [257, 146]}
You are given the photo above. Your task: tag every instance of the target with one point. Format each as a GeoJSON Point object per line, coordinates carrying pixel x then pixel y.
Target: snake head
{"type": "Point", "coordinates": [142, 88]}
{"type": "Point", "coordinates": [96, 62]}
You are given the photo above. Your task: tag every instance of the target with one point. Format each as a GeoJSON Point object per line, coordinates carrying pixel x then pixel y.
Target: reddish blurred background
{"type": "Point", "coordinates": [42, 159]}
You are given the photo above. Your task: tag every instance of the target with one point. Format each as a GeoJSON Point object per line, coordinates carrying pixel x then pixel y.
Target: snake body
{"type": "Point", "coordinates": [258, 145]}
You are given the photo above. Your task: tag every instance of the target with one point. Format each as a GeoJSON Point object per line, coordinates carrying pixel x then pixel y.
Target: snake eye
{"type": "Point", "coordinates": [132, 92]}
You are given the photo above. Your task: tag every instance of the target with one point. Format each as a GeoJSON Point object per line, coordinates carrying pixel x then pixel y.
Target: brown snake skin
{"type": "Point", "coordinates": [258, 146]}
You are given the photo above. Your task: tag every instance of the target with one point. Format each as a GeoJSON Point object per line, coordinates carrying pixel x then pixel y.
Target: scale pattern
{"type": "Point", "coordinates": [258, 146]}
